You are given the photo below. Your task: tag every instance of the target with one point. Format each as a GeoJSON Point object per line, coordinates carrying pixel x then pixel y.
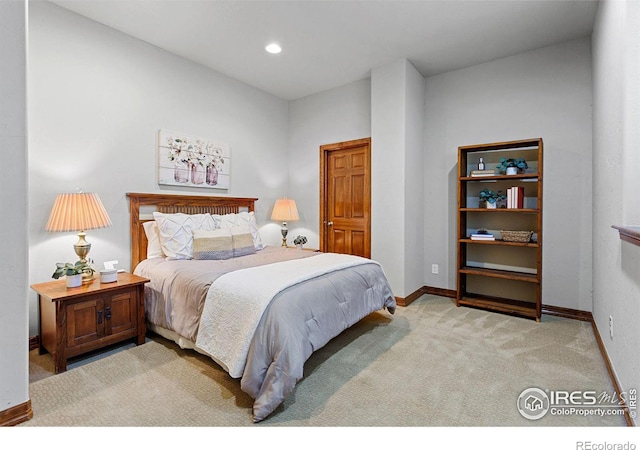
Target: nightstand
{"type": "Point", "coordinates": [78, 320]}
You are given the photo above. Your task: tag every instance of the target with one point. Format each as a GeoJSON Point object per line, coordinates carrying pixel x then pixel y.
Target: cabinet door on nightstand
{"type": "Point", "coordinates": [85, 322]}
{"type": "Point", "coordinates": [121, 313]}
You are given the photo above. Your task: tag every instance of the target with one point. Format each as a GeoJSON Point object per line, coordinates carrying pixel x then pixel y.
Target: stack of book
{"type": "Point", "coordinates": [482, 173]}
{"type": "Point", "coordinates": [515, 197]}
{"type": "Point", "coordinates": [483, 237]}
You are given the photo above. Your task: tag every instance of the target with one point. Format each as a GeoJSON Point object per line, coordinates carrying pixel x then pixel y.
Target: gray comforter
{"type": "Point", "coordinates": [298, 321]}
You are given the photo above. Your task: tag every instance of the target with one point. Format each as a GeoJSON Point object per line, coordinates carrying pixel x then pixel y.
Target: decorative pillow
{"type": "Point", "coordinates": [244, 218]}
{"type": "Point", "coordinates": [215, 244]}
{"type": "Point", "coordinates": [154, 249]}
{"type": "Point", "coordinates": [176, 232]}
{"type": "Point", "coordinates": [242, 241]}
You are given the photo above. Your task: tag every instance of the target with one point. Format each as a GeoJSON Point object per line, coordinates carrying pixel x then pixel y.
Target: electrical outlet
{"type": "Point", "coordinates": [434, 269]}
{"type": "Point", "coordinates": [611, 326]}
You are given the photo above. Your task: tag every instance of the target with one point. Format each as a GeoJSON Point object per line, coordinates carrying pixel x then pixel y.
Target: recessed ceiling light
{"type": "Point", "coordinates": [273, 48]}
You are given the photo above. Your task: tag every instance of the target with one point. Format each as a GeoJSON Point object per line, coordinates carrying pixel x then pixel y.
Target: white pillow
{"type": "Point", "coordinates": [228, 221]}
{"type": "Point", "coordinates": [176, 232]}
{"type": "Point", "coordinates": [154, 249]}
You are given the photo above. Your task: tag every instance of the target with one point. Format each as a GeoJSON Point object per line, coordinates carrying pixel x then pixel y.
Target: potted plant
{"type": "Point", "coordinates": [73, 272]}
{"type": "Point", "coordinates": [512, 166]}
{"type": "Point", "coordinates": [300, 241]}
{"type": "Point", "coordinates": [491, 198]}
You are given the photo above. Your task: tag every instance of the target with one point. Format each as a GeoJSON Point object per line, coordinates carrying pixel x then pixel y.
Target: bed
{"type": "Point", "coordinates": [258, 311]}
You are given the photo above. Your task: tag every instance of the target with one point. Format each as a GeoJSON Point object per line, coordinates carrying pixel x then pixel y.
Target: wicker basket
{"type": "Point", "coordinates": [516, 236]}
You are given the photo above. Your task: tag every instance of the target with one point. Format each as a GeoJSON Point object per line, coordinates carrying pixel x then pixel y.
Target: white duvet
{"type": "Point", "coordinates": [236, 301]}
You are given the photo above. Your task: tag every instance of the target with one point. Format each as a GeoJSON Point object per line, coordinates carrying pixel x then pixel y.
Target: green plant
{"type": "Point", "coordinates": [487, 195]}
{"type": "Point", "coordinates": [519, 163]}
{"type": "Point", "coordinates": [69, 269]}
{"type": "Point", "coordinates": [299, 240]}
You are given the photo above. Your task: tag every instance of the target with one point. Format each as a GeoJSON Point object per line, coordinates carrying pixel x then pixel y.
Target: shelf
{"type": "Point", "coordinates": [502, 210]}
{"type": "Point", "coordinates": [504, 274]}
{"type": "Point", "coordinates": [507, 145]}
{"type": "Point", "coordinates": [504, 305]}
{"type": "Point", "coordinates": [521, 177]}
{"type": "Point", "coordinates": [630, 234]}
{"type": "Point", "coordinates": [500, 242]}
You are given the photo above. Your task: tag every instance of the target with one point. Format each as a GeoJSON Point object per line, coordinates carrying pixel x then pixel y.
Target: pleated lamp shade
{"type": "Point", "coordinates": [78, 212]}
{"type": "Point", "coordinates": [285, 210]}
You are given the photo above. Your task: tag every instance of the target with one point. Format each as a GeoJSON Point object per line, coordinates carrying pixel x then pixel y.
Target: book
{"type": "Point", "coordinates": [518, 201]}
{"type": "Point", "coordinates": [482, 237]}
{"type": "Point", "coordinates": [482, 173]}
{"type": "Point", "coordinates": [515, 197]}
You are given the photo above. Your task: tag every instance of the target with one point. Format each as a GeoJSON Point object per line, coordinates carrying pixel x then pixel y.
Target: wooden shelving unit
{"type": "Point", "coordinates": [500, 276]}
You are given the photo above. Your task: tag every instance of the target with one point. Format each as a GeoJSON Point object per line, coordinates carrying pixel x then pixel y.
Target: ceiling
{"type": "Point", "coordinates": [326, 44]}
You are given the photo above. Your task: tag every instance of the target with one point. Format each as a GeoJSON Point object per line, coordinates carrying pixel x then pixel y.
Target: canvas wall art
{"type": "Point", "coordinates": [193, 161]}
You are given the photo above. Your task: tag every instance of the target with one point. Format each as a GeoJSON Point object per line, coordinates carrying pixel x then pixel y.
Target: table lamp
{"type": "Point", "coordinates": [78, 212]}
{"type": "Point", "coordinates": [285, 210]}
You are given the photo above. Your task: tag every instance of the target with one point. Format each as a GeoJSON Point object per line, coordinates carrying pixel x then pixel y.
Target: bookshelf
{"type": "Point", "coordinates": [499, 275]}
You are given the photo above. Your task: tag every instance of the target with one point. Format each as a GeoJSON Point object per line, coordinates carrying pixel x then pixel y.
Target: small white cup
{"type": "Point", "coordinates": [108, 276]}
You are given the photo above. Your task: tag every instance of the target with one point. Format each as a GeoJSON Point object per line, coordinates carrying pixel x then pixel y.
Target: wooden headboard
{"type": "Point", "coordinates": [171, 204]}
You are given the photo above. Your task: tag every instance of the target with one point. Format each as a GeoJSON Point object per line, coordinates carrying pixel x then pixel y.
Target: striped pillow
{"type": "Point", "coordinates": [215, 244]}
{"type": "Point", "coordinates": [240, 219]}
{"type": "Point", "coordinates": [242, 241]}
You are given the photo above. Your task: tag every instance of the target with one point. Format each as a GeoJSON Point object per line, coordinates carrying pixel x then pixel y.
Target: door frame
{"type": "Point", "coordinates": [324, 188]}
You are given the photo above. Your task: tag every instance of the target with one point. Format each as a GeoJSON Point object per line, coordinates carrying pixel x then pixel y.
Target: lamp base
{"type": "Point", "coordinates": [82, 247]}
{"type": "Point", "coordinates": [284, 232]}
{"type": "Point", "coordinates": [88, 277]}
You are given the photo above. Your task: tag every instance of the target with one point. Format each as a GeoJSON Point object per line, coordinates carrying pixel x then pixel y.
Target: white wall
{"type": "Point", "coordinates": [397, 112]}
{"type": "Point", "coordinates": [543, 93]}
{"type": "Point", "coordinates": [336, 115]}
{"type": "Point", "coordinates": [414, 180]}
{"type": "Point", "coordinates": [97, 100]}
{"type": "Point", "coordinates": [616, 144]}
{"type": "Point", "coordinates": [14, 337]}
{"type": "Point", "coordinates": [387, 171]}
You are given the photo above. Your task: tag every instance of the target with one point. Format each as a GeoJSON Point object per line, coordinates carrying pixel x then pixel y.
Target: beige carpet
{"type": "Point", "coordinates": [432, 364]}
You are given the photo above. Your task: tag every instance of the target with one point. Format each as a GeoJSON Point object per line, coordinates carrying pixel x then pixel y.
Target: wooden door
{"type": "Point", "coordinates": [121, 313]}
{"type": "Point", "coordinates": [345, 198]}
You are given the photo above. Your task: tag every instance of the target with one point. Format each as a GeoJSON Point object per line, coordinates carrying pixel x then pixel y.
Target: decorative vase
{"type": "Point", "coordinates": [74, 280]}
{"type": "Point", "coordinates": [212, 175]}
{"type": "Point", "coordinates": [181, 172]}
{"type": "Point", "coordinates": [197, 174]}
{"type": "Point", "coordinates": [512, 170]}
{"type": "Point", "coordinates": [299, 246]}
{"type": "Point", "coordinates": [491, 205]}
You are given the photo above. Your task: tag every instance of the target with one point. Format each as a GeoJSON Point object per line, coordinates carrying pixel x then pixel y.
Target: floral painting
{"type": "Point", "coordinates": [192, 161]}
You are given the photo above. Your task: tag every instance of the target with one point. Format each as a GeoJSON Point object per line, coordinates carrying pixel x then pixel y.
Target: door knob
{"type": "Point", "coordinates": [329, 223]}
